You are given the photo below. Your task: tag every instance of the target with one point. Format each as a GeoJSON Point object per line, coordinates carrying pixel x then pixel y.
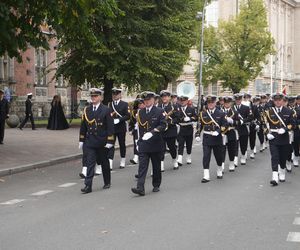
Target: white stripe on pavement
{"type": "Point", "coordinates": [293, 237]}
{"type": "Point", "coordinates": [12, 202]}
{"type": "Point", "coordinates": [43, 192]}
{"type": "Point", "coordinates": [65, 185]}
{"type": "Point", "coordinates": [296, 221]}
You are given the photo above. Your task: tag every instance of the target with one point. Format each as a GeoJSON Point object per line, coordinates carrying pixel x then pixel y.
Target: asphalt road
{"type": "Point", "coordinates": [241, 211]}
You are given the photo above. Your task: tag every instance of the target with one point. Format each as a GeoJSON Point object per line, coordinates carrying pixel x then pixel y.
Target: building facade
{"type": "Point", "coordinates": [283, 69]}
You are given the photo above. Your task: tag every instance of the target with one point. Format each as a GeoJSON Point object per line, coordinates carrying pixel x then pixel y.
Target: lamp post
{"type": "Point", "coordinates": [201, 16]}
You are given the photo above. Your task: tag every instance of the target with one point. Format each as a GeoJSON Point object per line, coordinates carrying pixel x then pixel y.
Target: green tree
{"type": "Point", "coordinates": [142, 44]}
{"type": "Point", "coordinates": [237, 50]}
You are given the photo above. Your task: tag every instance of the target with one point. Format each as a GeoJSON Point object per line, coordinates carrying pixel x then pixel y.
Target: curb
{"type": "Point", "coordinates": [43, 164]}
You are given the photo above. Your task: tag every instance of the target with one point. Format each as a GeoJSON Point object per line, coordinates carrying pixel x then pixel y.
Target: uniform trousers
{"type": "Point", "coordinates": [243, 143]}
{"type": "Point", "coordinates": [135, 138]}
{"type": "Point", "coordinates": [261, 136]}
{"type": "Point", "coordinates": [171, 143]}
{"type": "Point", "coordinates": [27, 117]}
{"type": "Point", "coordinates": [231, 148]}
{"type": "Point", "coordinates": [2, 127]}
{"type": "Point", "coordinates": [279, 154]}
{"type": "Point", "coordinates": [121, 139]}
{"type": "Point", "coordinates": [185, 140]}
{"type": "Point", "coordinates": [217, 149]}
{"type": "Point", "coordinates": [144, 159]}
{"type": "Point", "coordinates": [92, 156]}
{"type": "Point", "coordinates": [252, 137]}
{"type": "Point", "coordinates": [296, 145]}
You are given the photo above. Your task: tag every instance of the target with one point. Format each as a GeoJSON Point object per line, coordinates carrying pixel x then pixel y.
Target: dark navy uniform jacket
{"type": "Point", "coordinates": [155, 123]}
{"type": "Point", "coordinates": [28, 106]}
{"type": "Point", "coordinates": [172, 117]}
{"type": "Point", "coordinates": [207, 125]}
{"type": "Point", "coordinates": [247, 117]}
{"type": "Point", "coordinates": [97, 127]}
{"type": "Point", "coordinates": [122, 109]}
{"type": "Point", "coordinates": [297, 122]}
{"type": "Point", "coordinates": [230, 131]}
{"type": "Point", "coordinates": [186, 128]}
{"type": "Point", "coordinates": [287, 116]}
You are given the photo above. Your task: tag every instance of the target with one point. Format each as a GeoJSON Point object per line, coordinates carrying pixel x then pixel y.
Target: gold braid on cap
{"type": "Point", "coordinates": [269, 117]}
{"type": "Point", "coordinates": [86, 118]}
{"type": "Point", "coordinates": [145, 124]}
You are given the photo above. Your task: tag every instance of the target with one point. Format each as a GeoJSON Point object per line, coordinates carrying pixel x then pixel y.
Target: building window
{"type": "Point", "coordinates": [214, 88]}
{"type": "Point", "coordinates": [40, 67]}
{"type": "Point", "coordinates": [205, 90]}
{"type": "Point", "coordinates": [6, 69]}
{"type": "Point", "coordinates": [212, 13]}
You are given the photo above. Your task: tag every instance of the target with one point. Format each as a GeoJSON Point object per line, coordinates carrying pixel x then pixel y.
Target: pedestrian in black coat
{"type": "Point", "coordinates": [28, 113]}
{"type": "Point", "coordinates": [57, 119]}
{"type": "Point", "coordinates": [4, 110]}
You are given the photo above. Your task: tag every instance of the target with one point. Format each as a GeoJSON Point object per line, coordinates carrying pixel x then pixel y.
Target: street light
{"type": "Point", "coordinates": [201, 16]}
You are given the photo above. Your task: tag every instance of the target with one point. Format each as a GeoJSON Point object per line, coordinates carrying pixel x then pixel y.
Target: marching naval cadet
{"type": "Point", "coordinates": [151, 123]}
{"type": "Point", "coordinates": [97, 133]}
{"type": "Point", "coordinates": [133, 127]}
{"type": "Point", "coordinates": [254, 126]}
{"type": "Point", "coordinates": [296, 142]}
{"type": "Point", "coordinates": [170, 134]}
{"type": "Point", "coordinates": [213, 123]}
{"type": "Point", "coordinates": [174, 98]}
{"type": "Point", "coordinates": [261, 122]}
{"type": "Point", "coordinates": [245, 115]}
{"type": "Point", "coordinates": [187, 115]}
{"type": "Point", "coordinates": [232, 119]}
{"type": "Point", "coordinates": [120, 114]}
{"type": "Point", "coordinates": [279, 120]}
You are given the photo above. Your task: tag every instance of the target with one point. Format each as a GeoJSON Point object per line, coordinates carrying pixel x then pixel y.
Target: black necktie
{"type": "Point", "coordinates": [116, 103]}
{"type": "Point", "coordinates": [94, 108]}
{"type": "Point", "coordinates": [147, 111]}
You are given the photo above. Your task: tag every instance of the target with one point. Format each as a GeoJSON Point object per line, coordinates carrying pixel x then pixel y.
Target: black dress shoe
{"type": "Point", "coordinates": [219, 177]}
{"type": "Point", "coordinates": [176, 168]}
{"type": "Point", "coordinates": [121, 167]}
{"type": "Point", "coordinates": [179, 164]}
{"type": "Point", "coordinates": [231, 170]}
{"type": "Point", "coordinates": [34, 129]}
{"type": "Point", "coordinates": [204, 180]}
{"type": "Point", "coordinates": [20, 128]}
{"type": "Point", "coordinates": [273, 183]}
{"type": "Point", "coordinates": [155, 189]}
{"type": "Point", "coordinates": [282, 180]}
{"type": "Point", "coordinates": [86, 190]}
{"type": "Point", "coordinates": [132, 161]}
{"type": "Point", "coordinates": [136, 176]}
{"type": "Point", "coordinates": [1, 142]}
{"type": "Point", "coordinates": [289, 171]}
{"type": "Point", "coordinates": [81, 175]}
{"type": "Point", "coordinates": [106, 186]}
{"type": "Point", "coordinates": [138, 191]}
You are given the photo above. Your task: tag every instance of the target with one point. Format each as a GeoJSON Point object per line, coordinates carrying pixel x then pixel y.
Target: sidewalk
{"type": "Point", "coordinates": [28, 149]}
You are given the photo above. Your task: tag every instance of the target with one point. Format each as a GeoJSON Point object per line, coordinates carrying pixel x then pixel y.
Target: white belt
{"type": "Point", "coordinates": [274, 130]}
{"type": "Point", "coordinates": [186, 124]}
{"type": "Point", "coordinates": [208, 132]}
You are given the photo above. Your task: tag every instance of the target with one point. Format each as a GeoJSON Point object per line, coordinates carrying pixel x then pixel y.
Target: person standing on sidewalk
{"type": "Point", "coordinates": [28, 113]}
{"type": "Point", "coordinates": [151, 123]}
{"type": "Point", "coordinates": [97, 133]}
{"type": "Point", "coordinates": [120, 114]}
{"type": "Point", "coordinates": [4, 110]}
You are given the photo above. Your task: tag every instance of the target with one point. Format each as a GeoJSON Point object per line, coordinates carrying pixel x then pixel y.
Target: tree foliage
{"type": "Point", "coordinates": [142, 44]}
{"type": "Point", "coordinates": [237, 50]}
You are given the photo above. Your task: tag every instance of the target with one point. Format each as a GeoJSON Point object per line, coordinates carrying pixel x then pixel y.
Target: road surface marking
{"type": "Point", "coordinates": [43, 192]}
{"type": "Point", "coordinates": [70, 184]}
{"type": "Point", "coordinates": [296, 221]}
{"type": "Point", "coordinates": [12, 202]}
{"type": "Point", "coordinates": [293, 237]}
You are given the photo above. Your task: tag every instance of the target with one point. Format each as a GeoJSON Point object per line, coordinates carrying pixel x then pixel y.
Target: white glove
{"type": "Point", "coordinates": [186, 119]}
{"type": "Point", "coordinates": [229, 120]}
{"type": "Point", "coordinates": [197, 139]}
{"type": "Point", "coordinates": [80, 145]}
{"type": "Point", "coordinates": [281, 131]}
{"type": "Point", "coordinates": [215, 133]}
{"type": "Point", "coordinates": [147, 136]}
{"type": "Point", "coordinates": [242, 122]}
{"type": "Point", "coordinates": [108, 145]}
{"type": "Point", "coordinates": [257, 127]}
{"type": "Point", "coordinates": [270, 137]}
{"type": "Point", "coordinates": [116, 121]}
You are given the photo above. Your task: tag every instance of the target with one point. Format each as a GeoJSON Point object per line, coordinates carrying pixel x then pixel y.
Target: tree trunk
{"type": "Point", "coordinates": [108, 85]}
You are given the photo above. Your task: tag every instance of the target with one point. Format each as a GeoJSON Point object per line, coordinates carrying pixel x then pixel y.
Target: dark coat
{"type": "Point", "coordinates": [187, 129]}
{"type": "Point", "coordinates": [97, 127]}
{"type": "Point", "coordinates": [122, 109]}
{"type": "Point", "coordinates": [172, 117]}
{"type": "Point", "coordinates": [4, 109]}
{"type": "Point", "coordinates": [57, 119]}
{"type": "Point", "coordinates": [28, 107]}
{"type": "Point", "coordinates": [154, 122]}
{"type": "Point", "coordinates": [245, 115]}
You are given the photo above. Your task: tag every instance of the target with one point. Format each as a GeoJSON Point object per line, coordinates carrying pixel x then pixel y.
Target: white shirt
{"type": "Point", "coordinates": [278, 109]}
{"type": "Point", "coordinates": [212, 110]}
{"type": "Point", "coordinates": [116, 102]}
{"type": "Point", "coordinates": [95, 107]}
{"type": "Point", "coordinates": [148, 110]}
